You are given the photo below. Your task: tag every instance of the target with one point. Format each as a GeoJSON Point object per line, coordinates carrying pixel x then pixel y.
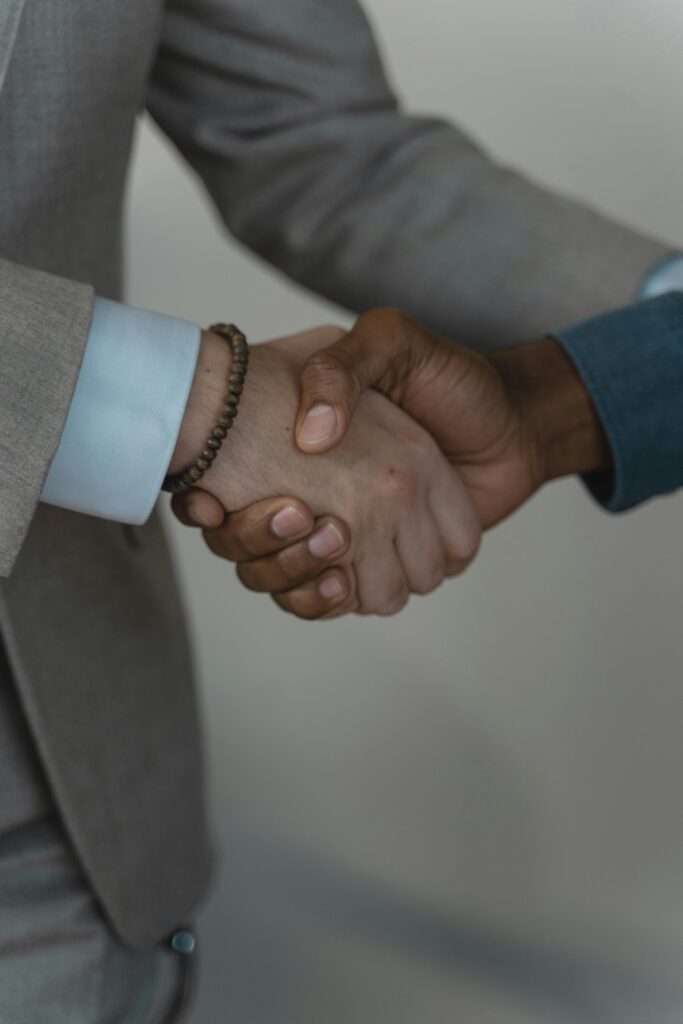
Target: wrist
{"type": "Point", "coordinates": [559, 419]}
{"type": "Point", "coordinates": [205, 402]}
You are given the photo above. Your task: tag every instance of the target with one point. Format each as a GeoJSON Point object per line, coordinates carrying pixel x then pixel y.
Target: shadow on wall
{"type": "Point", "coordinates": [296, 926]}
{"type": "Point", "coordinates": [278, 890]}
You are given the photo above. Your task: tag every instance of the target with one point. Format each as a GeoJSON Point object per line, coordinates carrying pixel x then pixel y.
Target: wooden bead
{"type": "Point", "coordinates": [240, 361]}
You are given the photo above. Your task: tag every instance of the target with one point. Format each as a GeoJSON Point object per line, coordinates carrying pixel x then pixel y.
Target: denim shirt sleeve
{"type": "Point", "coordinates": [125, 413]}
{"type": "Point", "coordinates": [631, 362]}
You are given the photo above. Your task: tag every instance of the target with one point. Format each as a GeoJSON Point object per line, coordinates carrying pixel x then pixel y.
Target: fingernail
{"type": "Point", "coordinates": [319, 425]}
{"type": "Point", "coordinates": [330, 588]}
{"type": "Point", "coordinates": [326, 541]}
{"type": "Point", "coordinates": [288, 522]}
{"type": "Point", "coordinates": [196, 515]}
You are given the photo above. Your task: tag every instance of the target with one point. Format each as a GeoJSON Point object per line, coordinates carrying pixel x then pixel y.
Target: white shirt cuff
{"type": "Point", "coordinates": [125, 415]}
{"type": "Point", "coordinates": [666, 277]}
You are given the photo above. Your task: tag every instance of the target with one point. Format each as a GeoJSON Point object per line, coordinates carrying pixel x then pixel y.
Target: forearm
{"type": "Point", "coordinates": [425, 221]}
{"type": "Point", "coordinates": [556, 407]}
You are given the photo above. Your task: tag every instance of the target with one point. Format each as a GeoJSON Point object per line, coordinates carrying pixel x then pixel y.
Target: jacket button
{"type": "Point", "coordinates": [183, 942]}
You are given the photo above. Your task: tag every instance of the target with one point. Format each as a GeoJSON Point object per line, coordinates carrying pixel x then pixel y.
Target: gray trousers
{"type": "Point", "coordinates": [59, 960]}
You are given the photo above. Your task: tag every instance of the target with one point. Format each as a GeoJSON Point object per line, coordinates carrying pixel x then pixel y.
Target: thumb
{"type": "Point", "coordinates": [334, 378]}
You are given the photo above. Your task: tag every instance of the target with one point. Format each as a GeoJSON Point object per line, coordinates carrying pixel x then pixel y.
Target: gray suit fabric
{"type": "Point", "coordinates": [25, 795]}
{"type": "Point", "coordinates": [283, 109]}
{"type": "Point", "coordinates": [59, 961]}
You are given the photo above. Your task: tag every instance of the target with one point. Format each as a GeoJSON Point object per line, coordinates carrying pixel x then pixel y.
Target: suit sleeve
{"type": "Point", "coordinates": [44, 325]}
{"type": "Point", "coordinates": [631, 361]}
{"type": "Point", "coordinates": [92, 394]}
{"type": "Point", "coordinates": [283, 109]}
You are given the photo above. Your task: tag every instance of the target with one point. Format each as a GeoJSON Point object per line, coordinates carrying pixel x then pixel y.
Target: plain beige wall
{"type": "Point", "coordinates": [505, 758]}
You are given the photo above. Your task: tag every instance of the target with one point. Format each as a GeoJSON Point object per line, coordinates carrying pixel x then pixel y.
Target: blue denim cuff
{"type": "Point", "coordinates": [631, 362]}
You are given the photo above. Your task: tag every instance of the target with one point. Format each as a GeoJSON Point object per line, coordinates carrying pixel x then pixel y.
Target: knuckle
{"type": "Point", "coordinates": [455, 567]}
{"type": "Point", "coordinates": [420, 445]}
{"type": "Point", "coordinates": [215, 542]}
{"type": "Point", "coordinates": [338, 612]}
{"type": "Point", "coordinates": [292, 565]}
{"type": "Point", "coordinates": [248, 535]}
{"type": "Point", "coordinates": [432, 578]}
{"type": "Point", "coordinates": [328, 367]}
{"type": "Point", "coordinates": [388, 317]}
{"type": "Point", "coordinates": [389, 604]}
{"type": "Point", "coordinates": [249, 577]}
{"type": "Point", "coordinates": [467, 545]}
{"type": "Point", "coordinates": [394, 607]}
{"type": "Point", "coordinates": [336, 373]}
{"type": "Point", "coordinates": [302, 607]}
{"type": "Point", "coordinates": [472, 543]}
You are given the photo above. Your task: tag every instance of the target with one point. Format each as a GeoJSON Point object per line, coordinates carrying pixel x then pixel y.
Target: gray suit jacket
{"type": "Point", "coordinates": [283, 109]}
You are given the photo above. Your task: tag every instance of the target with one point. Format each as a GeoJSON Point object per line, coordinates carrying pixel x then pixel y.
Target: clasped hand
{"type": "Point", "coordinates": [415, 445]}
{"type": "Point", "coordinates": [403, 517]}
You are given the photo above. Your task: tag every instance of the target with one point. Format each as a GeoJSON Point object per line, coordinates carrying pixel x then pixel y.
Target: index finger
{"type": "Point", "coordinates": [260, 529]}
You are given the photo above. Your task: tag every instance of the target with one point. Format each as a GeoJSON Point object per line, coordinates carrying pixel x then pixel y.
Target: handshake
{"type": "Point", "coordinates": [400, 446]}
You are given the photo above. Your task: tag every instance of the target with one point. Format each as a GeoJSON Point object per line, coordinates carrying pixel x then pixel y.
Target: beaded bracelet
{"type": "Point", "coordinates": [240, 361]}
